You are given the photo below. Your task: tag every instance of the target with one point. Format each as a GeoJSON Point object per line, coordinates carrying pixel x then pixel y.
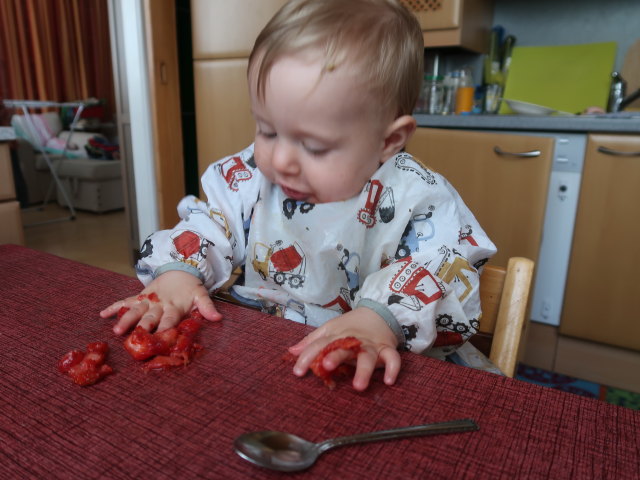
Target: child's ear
{"type": "Point", "coordinates": [397, 135]}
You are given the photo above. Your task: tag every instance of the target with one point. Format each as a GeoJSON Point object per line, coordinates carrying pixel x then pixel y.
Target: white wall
{"type": "Point", "coordinates": [568, 22]}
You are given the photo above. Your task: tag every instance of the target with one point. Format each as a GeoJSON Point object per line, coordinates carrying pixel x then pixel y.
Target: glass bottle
{"type": "Point", "coordinates": [433, 94]}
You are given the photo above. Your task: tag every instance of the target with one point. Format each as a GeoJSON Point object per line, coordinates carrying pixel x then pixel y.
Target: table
{"type": "Point", "coordinates": [181, 424]}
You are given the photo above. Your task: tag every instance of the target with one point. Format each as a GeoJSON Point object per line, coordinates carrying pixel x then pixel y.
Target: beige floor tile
{"type": "Point", "coordinates": [101, 240]}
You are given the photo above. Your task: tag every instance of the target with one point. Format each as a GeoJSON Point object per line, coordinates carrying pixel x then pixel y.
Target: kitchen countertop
{"type": "Point", "coordinates": [624, 122]}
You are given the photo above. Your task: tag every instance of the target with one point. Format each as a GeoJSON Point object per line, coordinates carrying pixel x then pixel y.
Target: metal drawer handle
{"type": "Point", "coordinates": [617, 153]}
{"type": "Point", "coordinates": [532, 153]}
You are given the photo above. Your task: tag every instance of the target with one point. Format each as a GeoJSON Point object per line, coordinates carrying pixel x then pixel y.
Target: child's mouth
{"type": "Point", "coordinates": [294, 194]}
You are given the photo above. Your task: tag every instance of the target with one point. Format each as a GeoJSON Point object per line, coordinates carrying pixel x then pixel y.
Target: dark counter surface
{"type": "Point", "coordinates": [624, 122]}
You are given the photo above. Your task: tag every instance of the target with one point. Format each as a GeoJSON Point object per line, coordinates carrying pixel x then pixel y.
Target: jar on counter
{"type": "Point", "coordinates": [451, 82]}
{"type": "Point", "coordinates": [433, 93]}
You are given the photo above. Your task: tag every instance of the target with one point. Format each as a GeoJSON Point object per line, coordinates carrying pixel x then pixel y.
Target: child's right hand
{"type": "Point", "coordinates": [178, 293]}
{"type": "Point", "coordinates": [378, 344]}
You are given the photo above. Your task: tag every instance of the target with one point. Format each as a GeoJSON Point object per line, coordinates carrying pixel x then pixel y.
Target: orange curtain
{"type": "Point", "coordinates": [57, 50]}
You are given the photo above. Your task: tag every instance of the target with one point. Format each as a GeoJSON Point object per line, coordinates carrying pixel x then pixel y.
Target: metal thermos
{"type": "Point", "coordinates": [617, 92]}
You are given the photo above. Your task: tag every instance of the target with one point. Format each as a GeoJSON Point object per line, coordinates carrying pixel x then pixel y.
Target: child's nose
{"type": "Point", "coordinates": [284, 158]}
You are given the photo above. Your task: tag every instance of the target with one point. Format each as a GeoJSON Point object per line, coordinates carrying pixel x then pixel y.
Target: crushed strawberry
{"type": "Point", "coordinates": [347, 343]}
{"type": "Point", "coordinates": [86, 368]}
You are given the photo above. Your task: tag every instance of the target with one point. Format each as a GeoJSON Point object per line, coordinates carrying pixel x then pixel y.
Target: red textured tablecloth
{"type": "Point", "coordinates": [182, 424]}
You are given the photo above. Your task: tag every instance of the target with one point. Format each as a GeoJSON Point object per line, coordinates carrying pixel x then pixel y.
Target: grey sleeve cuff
{"type": "Point", "coordinates": [387, 316]}
{"type": "Point", "coordinates": [181, 266]}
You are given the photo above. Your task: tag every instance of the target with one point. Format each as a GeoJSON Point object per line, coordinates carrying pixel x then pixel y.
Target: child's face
{"type": "Point", "coordinates": [319, 138]}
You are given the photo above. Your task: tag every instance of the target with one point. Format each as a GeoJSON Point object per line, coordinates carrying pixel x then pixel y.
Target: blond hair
{"type": "Point", "coordinates": [381, 37]}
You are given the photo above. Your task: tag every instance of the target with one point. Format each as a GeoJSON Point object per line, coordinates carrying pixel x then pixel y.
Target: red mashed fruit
{"type": "Point", "coordinates": [347, 343]}
{"type": "Point", "coordinates": [86, 368]}
{"type": "Point", "coordinates": [173, 347]}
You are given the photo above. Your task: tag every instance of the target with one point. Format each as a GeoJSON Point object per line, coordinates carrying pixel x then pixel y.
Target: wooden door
{"type": "Point", "coordinates": [506, 191]}
{"type": "Point", "coordinates": [603, 284]}
{"type": "Point", "coordinates": [164, 84]}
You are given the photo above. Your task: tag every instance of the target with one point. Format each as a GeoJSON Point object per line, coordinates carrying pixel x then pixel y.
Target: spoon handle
{"type": "Point", "coordinates": [454, 426]}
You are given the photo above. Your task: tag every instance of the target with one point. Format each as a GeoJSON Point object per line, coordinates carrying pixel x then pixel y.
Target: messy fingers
{"type": "Point", "coordinates": [131, 317]}
{"type": "Point", "coordinates": [151, 318]}
{"type": "Point", "coordinates": [306, 356]}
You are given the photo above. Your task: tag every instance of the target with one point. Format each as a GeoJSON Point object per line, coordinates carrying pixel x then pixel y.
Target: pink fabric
{"type": "Point", "coordinates": [182, 424]}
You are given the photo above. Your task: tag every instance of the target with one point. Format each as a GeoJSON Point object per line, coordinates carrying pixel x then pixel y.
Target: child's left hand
{"type": "Point", "coordinates": [378, 347]}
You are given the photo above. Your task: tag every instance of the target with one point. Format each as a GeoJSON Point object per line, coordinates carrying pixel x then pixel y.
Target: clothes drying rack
{"type": "Point", "coordinates": [26, 106]}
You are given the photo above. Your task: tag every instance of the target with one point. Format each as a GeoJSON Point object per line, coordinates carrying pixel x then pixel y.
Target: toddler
{"type": "Point", "coordinates": [334, 225]}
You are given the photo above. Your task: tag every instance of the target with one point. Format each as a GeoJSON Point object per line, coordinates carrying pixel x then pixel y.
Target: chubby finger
{"type": "Point", "coordinates": [306, 357]}
{"type": "Point", "coordinates": [332, 360]}
{"type": "Point", "coordinates": [207, 309]}
{"type": "Point", "coordinates": [112, 309]}
{"type": "Point", "coordinates": [130, 318]}
{"type": "Point", "coordinates": [365, 366]}
{"type": "Point", "coordinates": [151, 318]}
{"type": "Point", "coordinates": [392, 362]}
{"type": "Point", "coordinates": [170, 317]}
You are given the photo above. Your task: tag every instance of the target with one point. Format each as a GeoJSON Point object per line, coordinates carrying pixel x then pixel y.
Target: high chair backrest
{"type": "Point", "coordinates": [504, 294]}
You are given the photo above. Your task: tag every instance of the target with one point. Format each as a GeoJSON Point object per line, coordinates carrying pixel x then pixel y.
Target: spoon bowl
{"type": "Point", "coordinates": [289, 453]}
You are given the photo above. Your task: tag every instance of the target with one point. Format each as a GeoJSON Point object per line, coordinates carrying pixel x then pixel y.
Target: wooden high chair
{"type": "Point", "coordinates": [504, 294]}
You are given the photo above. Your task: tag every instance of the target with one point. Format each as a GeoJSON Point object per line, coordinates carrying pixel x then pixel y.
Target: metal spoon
{"type": "Point", "coordinates": [289, 453]}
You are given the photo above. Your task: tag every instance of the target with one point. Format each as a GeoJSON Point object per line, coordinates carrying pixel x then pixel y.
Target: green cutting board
{"type": "Point", "coordinates": [568, 78]}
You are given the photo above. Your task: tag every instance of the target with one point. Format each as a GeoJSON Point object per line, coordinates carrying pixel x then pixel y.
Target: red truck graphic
{"type": "Point", "coordinates": [367, 215]}
{"type": "Point", "coordinates": [286, 264]}
{"type": "Point", "coordinates": [188, 246]}
{"type": "Point", "coordinates": [415, 285]}
{"type": "Point", "coordinates": [234, 170]}
{"type": "Point", "coordinates": [379, 205]}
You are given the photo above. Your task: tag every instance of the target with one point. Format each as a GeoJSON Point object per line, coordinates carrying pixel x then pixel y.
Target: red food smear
{"type": "Point", "coordinates": [86, 368]}
{"type": "Point", "coordinates": [347, 343]}
{"type": "Point", "coordinates": [169, 348]}
{"type": "Point", "coordinates": [152, 297]}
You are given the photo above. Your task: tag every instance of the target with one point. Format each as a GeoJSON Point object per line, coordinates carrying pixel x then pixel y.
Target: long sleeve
{"type": "Point", "coordinates": [431, 285]}
{"type": "Point", "coordinates": [209, 241]}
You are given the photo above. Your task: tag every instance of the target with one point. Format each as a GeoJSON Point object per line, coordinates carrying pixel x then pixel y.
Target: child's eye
{"type": "Point", "coordinates": [268, 134]}
{"type": "Point", "coordinates": [316, 151]}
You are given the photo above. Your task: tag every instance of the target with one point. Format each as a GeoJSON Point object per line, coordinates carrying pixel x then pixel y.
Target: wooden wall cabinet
{"type": "Point", "coordinates": [506, 192]}
{"type": "Point", "coordinates": [223, 34]}
{"type": "Point", "coordinates": [454, 23]}
{"type": "Point", "coordinates": [603, 284]}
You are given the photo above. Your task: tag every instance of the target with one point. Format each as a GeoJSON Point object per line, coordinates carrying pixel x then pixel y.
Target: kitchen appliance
{"type": "Point", "coordinates": [559, 222]}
